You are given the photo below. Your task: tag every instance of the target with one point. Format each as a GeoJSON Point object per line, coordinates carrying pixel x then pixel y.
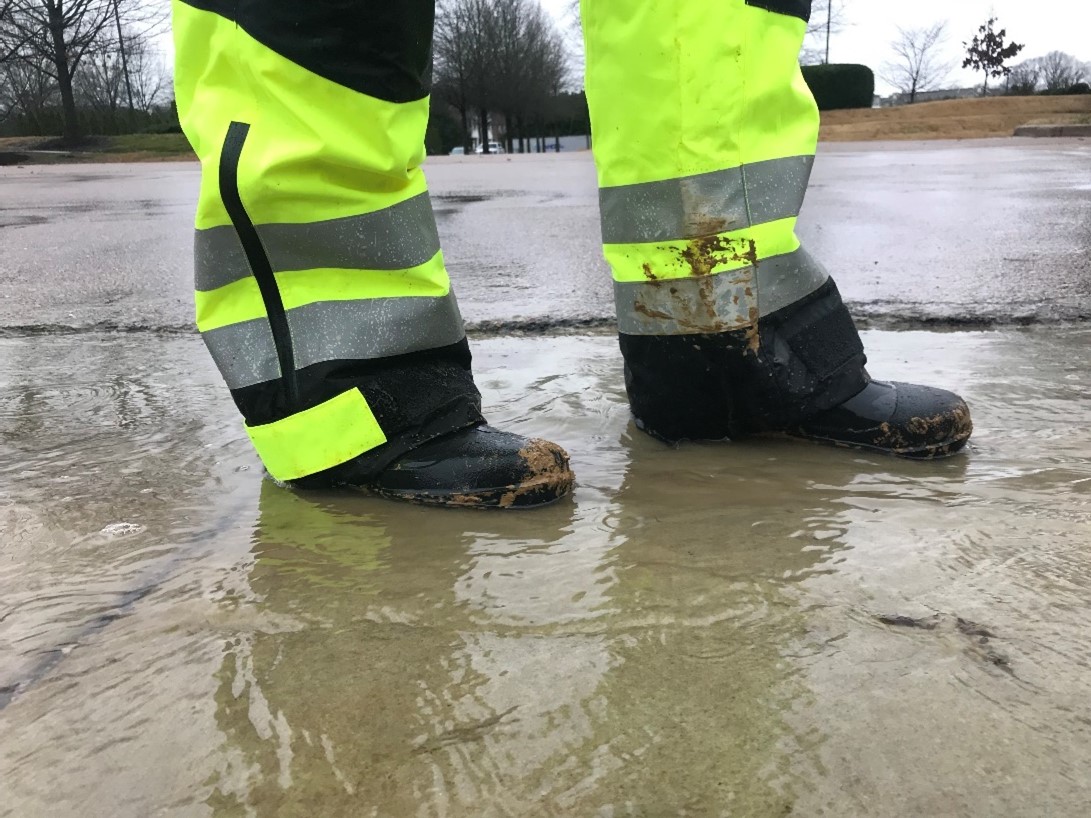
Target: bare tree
{"type": "Point", "coordinates": [919, 66]}
{"type": "Point", "coordinates": [27, 91]}
{"type": "Point", "coordinates": [827, 19]}
{"type": "Point", "coordinates": [531, 63]}
{"type": "Point", "coordinates": [107, 82]}
{"type": "Point", "coordinates": [1060, 71]}
{"type": "Point", "coordinates": [1024, 78]}
{"type": "Point", "coordinates": [452, 46]}
{"type": "Point", "coordinates": [10, 40]}
{"type": "Point", "coordinates": [149, 77]}
{"type": "Point", "coordinates": [60, 33]}
{"type": "Point", "coordinates": [57, 36]}
{"type": "Point", "coordinates": [497, 60]}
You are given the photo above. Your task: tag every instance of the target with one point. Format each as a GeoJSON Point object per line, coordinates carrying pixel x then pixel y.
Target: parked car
{"type": "Point", "coordinates": [494, 147]}
{"type": "Point", "coordinates": [459, 151]}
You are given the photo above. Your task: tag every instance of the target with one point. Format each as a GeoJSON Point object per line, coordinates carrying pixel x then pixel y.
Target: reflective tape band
{"type": "Point", "coordinates": [707, 255]}
{"type": "Point", "coordinates": [783, 280]}
{"type": "Point", "coordinates": [244, 353]}
{"type": "Point", "coordinates": [241, 300]}
{"type": "Point", "coordinates": [718, 303]}
{"type": "Point", "coordinates": [333, 331]}
{"type": "Point", "coordinates": [394, 238]}
{"type": "Point", "coordinates": [706, 203]}
{"type": "Point", "coordinates": [318, 438]}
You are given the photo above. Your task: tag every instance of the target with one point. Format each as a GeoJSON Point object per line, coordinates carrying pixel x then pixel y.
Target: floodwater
{"type": "Point", "coordinates": [754, 629]}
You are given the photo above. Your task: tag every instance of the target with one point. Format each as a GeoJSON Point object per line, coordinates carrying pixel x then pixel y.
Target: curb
{"type": "Point", "coordinates": [1053, 130]}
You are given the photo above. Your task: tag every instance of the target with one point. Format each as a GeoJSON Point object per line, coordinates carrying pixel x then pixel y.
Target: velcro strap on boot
{"type": "Point", "coordinates": [318, 438]}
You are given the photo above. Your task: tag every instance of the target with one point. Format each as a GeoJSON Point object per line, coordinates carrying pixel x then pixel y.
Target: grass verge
{"type": "Point", "coordinates": [953, 119]}
{"type": "Point", "coordinates": [125, 148]}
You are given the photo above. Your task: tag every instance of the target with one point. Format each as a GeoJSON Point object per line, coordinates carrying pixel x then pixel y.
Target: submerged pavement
{"type": "Point", "coordinates": [756, 628]}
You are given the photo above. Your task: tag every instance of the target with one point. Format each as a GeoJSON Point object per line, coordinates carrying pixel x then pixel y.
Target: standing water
{"type": "Point", "coordinates": [752, 628]}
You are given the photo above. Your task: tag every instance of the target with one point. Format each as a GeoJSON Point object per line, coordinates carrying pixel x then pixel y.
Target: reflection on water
{"type": "Point", "coordinates": [695, 633]}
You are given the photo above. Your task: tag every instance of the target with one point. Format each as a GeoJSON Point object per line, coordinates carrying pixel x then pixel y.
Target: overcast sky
{"type": "Point", "coordinates": [870, 25]}
{"type": "Point", "coordinates": [1042, 25]}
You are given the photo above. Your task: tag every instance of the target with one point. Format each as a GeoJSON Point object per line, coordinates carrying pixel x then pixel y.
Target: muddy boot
{"type": "Point", "coordinates": [477, 467]}
{"type": "Point", "coordinates": [480, 467]}
{"type": "Point", "coordinates": [897, 418]}
{"type": "Point", "coordinates": [798, 371]}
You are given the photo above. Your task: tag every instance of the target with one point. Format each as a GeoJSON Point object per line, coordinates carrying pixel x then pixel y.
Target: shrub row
{"type": "Point", "coordinates": [840, 85]}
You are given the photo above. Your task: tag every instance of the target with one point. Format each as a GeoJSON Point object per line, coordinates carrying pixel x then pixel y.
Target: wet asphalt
{"type": "Point", "coordinates": [963, 233]}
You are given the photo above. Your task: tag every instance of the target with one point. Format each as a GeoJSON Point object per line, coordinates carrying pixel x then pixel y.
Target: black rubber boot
{"type": "Point", "coordinates": [477, 467]}
{"type": "Point", "coordinates": [896, 418]}
{"type": "Point", "coordinates": [480, 467]}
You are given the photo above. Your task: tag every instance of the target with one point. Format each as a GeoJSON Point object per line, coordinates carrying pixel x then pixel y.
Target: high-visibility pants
{"type": "Point", "coordinates": [321, 289]}
{"type": "Point", "coordinates": [704, 135]}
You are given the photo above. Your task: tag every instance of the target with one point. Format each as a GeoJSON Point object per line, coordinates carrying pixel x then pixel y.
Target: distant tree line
{"type": "Point", "coordinates": [1055, 73]}
{"type": "Point", "coordinates": [501, 68]}
{"type": "Point", "coordinates": [920, 65]}
{"type": "Point", "coordinates": [81, 66]}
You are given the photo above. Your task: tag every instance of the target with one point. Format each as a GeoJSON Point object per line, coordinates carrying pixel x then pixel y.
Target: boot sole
{"type": "Point", "coordinates": [928, 451]}
{"type": "Point", "coordinates": [532, 493]}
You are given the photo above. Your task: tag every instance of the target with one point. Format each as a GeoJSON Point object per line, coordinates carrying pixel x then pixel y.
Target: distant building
{"type": "Point", "coordinates": [929, 96]}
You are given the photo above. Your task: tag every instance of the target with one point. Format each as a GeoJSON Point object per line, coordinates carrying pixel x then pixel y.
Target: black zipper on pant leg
{"type": "Point", "coordinates": [257, 258]}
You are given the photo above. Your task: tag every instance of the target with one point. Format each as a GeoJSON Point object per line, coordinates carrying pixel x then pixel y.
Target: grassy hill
{"type": "Point", "coordinates": [954, 119]}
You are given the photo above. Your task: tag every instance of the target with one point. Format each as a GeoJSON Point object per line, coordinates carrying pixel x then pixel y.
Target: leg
{"type": "Point", "coordinates": [321, 289]}
{"type": "Point", "coordinates": [704, 137]}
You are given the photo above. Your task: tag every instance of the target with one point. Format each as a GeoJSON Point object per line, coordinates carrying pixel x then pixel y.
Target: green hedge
{"type": "Point", "coordinates": [840, 86]}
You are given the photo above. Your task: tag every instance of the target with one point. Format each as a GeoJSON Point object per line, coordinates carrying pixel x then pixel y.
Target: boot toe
{"type": "Point", "coordinates": [480, 467]}
{"type": "Point", "coordinates": [898, 418]}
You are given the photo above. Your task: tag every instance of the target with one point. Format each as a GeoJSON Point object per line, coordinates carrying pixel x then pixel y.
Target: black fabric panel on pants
{"type": "Point", "coordinates": [793, 8]}
{"type": "Point", "coordinates": [382, 48]}
{"type": "Point", "coordinates": [415, 398]}
{"type": "Point", "coordinates": [804, 359]}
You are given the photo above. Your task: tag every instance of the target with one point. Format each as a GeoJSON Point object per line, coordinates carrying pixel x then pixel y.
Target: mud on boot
{"type": "Point", "coordinates": [474, 467]}
{"type": "Point", "coordinates": [480, 467]}
{"type": "Point", "coordinates": [896, 418]}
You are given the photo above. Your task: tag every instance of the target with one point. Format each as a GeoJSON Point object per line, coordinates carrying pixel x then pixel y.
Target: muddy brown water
{"type": "Point", "coordinates": [756, 628]}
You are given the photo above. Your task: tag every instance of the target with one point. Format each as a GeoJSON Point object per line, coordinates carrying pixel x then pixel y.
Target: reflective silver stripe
{"type": "Point", "coordinates": [705, 204]}
{"type": "Point", "coordinates": [336, 330]}
{"type": "Point", "coordinates": [709, 304]}
{"type": "Point", "coordinates": [394, 238]}
{"type": "Point", "coordinates": [783, 280]}
{"type": "Point", "coordinates": [244, 353]}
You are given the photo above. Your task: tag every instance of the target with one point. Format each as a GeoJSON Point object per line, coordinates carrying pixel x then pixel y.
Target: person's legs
{"type": "Point", "coordinates": [321, 289]}
{"type": "Point", "coordinates": [704, 134]}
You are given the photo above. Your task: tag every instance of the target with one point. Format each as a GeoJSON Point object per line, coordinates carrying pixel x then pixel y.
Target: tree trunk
{"type": "Point", "coordinates": [483, 124]}
{"type": "Point", "coordinates": [71, 131]}
{"type": "Point", "coordinates": [124, 65]}
{"type": "Point", "coordinates": [464, 118]}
